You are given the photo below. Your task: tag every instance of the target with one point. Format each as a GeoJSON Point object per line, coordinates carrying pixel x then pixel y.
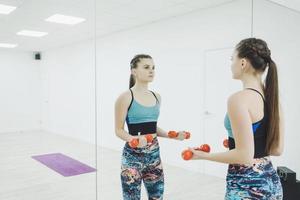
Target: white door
{"type": "Point", "coordinates": [218, 86]}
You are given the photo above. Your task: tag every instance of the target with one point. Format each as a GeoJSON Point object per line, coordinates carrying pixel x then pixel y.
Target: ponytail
{"type": "Point", "coordinates": [131, 81]}
{"type": "Point", "coordinates": [272, 99]}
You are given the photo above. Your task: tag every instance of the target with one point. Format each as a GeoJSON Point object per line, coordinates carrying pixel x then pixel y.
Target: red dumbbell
{"type": "Point", "coordinates": [187, 135]}
{"type": "Point", "coordinates": [149, 138]}
{"type": "Point", "coordinates": [172, 134]}
{"type": "Point", "coordinates": [225, 143]}
{"type": "Point", "coordinates": [134, 143]}
{"type": "Point", "coordinates": [204, 147]}
{"type": "Point", "coordinates": [187, 154]}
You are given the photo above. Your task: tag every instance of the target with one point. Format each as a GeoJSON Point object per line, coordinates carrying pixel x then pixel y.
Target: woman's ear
{"type": "Point", "coordinates": [244, 63]}
{"type": "Point", "coordinates": [133, 72]}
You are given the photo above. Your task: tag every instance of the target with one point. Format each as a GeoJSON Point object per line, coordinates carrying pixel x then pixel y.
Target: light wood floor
{"type": "Point", "coordinates": [22, 178]}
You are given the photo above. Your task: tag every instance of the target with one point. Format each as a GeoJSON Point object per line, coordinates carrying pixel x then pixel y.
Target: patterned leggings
{"type": "Point", "coordinates": [142, 164]}
{"type": "Point", "coordinates": [257, 182]}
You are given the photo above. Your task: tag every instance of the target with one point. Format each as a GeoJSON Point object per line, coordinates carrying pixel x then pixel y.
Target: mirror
{"type": "Point", "coordinates": [191, 43]}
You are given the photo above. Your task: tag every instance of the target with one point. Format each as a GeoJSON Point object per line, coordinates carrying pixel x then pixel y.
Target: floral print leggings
{"type": "Point", "coordinates": [142, 165]}
{"type": "Point", "coordinates": [257, 182]}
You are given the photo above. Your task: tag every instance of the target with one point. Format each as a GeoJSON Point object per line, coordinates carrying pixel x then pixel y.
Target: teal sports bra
{"type": "Point", "coordinates": [142, 119]}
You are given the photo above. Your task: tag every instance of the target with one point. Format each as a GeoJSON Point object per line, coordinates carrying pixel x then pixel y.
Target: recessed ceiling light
{"type": "Point", "coordinates": [31, 33]}
{"type": "Point", "coordinates": [5, 9]}
{"type": "Point", "coordinates": [8, 45]}
{"type": "Point", "coordinates": [64, 19]}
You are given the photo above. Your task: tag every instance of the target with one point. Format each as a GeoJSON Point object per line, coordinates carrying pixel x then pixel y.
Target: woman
{"type": "Point", "coordinates": [254, 122]}
{"type": "Point", "coordinates": [139, 107]}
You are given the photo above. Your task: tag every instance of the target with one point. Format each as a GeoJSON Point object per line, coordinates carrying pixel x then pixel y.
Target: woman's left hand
{"type": "Point", "coordinates": [181, 135]}
{"type": "Point", "coordinates": [197, 154]}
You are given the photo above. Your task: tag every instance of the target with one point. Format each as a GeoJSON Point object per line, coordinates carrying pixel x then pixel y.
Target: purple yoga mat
{"type": "Point", "coordinates": [63, 164]}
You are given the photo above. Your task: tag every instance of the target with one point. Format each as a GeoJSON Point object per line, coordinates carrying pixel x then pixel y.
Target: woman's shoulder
{"type": "Point", "coordinates": [125, 97]}
{"type": "Point", "coordinates": [237, 103]}
{"type": "Point", "coordinates": [238, 98]}
{"type": "Point", "coordinates": [246, 97]}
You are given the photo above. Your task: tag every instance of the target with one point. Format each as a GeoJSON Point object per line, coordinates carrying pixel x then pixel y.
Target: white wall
{"type": "Point", "coordinates": [68, 91]}
{"type": "Point", "coordinates": [20, 91]}
{"type": "Point", "coordinates": [177, 46]}
{"type": "Point", "coordinates": [284, 42]}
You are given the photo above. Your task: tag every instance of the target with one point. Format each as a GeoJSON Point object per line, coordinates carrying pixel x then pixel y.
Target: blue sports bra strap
{"type": "Point", "coordinates": [131, 99]}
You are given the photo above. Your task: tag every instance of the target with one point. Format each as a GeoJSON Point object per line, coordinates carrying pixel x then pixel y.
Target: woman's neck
{"type": "Point", "coordinates": [141, 87]}
{"type": "Point", "coordinates": [252, 82]}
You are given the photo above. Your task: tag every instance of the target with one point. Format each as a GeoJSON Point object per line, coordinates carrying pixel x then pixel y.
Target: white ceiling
{"type": "Point", "coordinates": [111, 16]}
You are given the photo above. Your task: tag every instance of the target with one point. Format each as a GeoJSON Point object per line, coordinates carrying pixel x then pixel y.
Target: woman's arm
{"type": "Point", "coordinates": [243, 135]}
{"type": "Point", "coordinates": [161, 133]}
{"type": "Point", "coordinates": [121, 106]}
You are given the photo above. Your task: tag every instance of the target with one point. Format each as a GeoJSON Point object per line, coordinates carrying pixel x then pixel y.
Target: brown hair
{"type": "Point", "coordinates": [259, 55]}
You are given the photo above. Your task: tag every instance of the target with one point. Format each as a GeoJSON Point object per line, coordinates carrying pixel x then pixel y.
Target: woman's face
{"type": "Point", "coordinates": [237, 65]}
{"type": "Point", "coordinates": [144, 71]}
